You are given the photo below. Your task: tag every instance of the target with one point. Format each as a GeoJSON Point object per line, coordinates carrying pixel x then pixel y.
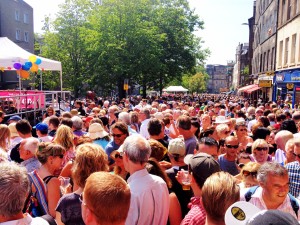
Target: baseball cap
{"type": "Point", "coordinates": [14, 118]}
{"type": "Point", "coordinates": [240, 212]}
{"type": "Point", "coordinates": [202, 166]}
{"type": "Point", "coordinates": [87, 119]}
{"type": "Point", "coordinates": [41, 127]}
{"type": "Point", "coordinates": [272, 217]}
{"type": "Point", "coordinates": [176, 147]}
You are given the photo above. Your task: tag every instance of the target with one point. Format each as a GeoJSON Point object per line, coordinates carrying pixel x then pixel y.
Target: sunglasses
{"type": "Point", "coordinates": [60, 156]}
{"type": "Point", "coordinates": [117, 135]}
{"type": "Point", "coordinates": [119, 155]}
{"type": "Point", "coordinates": [232, 146]}
{"type": "Point", "coordinates": [227, 132]}
{"type": "Point", "coordinates": [296, 155]}
{"type": "Point", "coordinates": [261, 148]}
{"type": "Point", "coordinates": [243, 130]}
{"type": "Point", "coordinates": [248, 173]}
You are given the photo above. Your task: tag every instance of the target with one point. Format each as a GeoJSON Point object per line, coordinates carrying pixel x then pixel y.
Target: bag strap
{"type": "Point", "coordinates": [41, 190]}
{"type": "Point", "coordinates": [250, 192]}
{"type": "Point", "coordinates": [294, 203]}
{"type": "Point", "coordinates": [47, 179]}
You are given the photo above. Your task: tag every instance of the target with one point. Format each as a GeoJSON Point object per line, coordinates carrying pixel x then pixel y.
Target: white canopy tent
{"type": "Point", "coordinates": [11, 53]}
{"type": "Point", "coordinates": [175, 89]}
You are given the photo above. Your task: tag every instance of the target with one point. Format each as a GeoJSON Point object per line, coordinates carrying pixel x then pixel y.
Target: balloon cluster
{"type": "Point", "coordinates": [32, 64]}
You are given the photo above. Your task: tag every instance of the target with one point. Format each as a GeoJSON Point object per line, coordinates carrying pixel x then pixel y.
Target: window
{"type": "Point", "coordinates": [264, 62]}
{"type": "Point", "coordinates": [280, 53]}
{"type": "Point", "coordinates": [289, 9]}
{"type": "Point", "coordinates": [268, 58]}
{"type": "Point", "coordinates": [26, 36]}
{"type": "Point", "coordinates": [26, 18]}
{"type": "Point", "coordinates": [286, 51]}
{"type": "Point", "coordinates": [293, 48]}
{"type": "Point", "coordinates": [272, 58]}
{"type": "Point", "coordinates": [299, 49]}
{"type": "Point", "coordinates": [17, 15]}
{"type": "Point", "coordinates": [18, 34]}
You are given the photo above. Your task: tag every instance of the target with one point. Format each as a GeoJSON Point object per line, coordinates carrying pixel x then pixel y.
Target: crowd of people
{"type": "Point", "coordinates": [201, 160]}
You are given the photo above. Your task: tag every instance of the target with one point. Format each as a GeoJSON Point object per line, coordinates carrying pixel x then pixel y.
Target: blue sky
{"type": "Point", "coordinates": [223, 29]}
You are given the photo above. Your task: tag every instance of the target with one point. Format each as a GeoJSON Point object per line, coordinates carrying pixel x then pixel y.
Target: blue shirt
{"type": "Point", "coordinates": [110, 147]}
{"type": "Point", "coordinates": [102, 142]}
{"type": "Point", "coordinates": [228, 166]}
{"type": "Point", "coordinates": [294, 177]}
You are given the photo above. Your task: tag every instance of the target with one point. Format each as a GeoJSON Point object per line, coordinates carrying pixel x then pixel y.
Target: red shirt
{"type": "Point", "coordinates": [197, 214]}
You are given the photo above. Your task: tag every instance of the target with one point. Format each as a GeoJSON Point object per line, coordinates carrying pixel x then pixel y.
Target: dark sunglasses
{"type": "Point", "coordinates": [119, 155]}
{"type": "Point", "coordinates": [296, 155]}
{"type": "Point", "coordinates": [261, 148]}
{"type": "Point", "coordinates": [117, 135]}
{"type": "Point", "coordinates": [60, 156]}
{"type": "Point", "coordinates": [232, 146]}
{"type": "Point", "coordinates": [227, 132]}
{"type": "Point", "coordinates": [243, 130]}
{"type": "Point", "coordinates": [248, 173]}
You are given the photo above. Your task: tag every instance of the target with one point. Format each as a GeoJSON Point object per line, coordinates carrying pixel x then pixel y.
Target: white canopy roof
{"type": "Point", "coordinates": [11, 53]}
{"type": "Point", "coordinates": [176, 89]}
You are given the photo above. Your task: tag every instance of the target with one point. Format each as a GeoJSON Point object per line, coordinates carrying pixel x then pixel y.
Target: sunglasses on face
{"type": "Point", "coordinates": [117, 135]}
{"type": "Point", "coordinates": [261, 148]}
{"type": "Point", "coordinates": [60, 156]}
{"type": "Point", "coordinates": [232, 146]}
{"type": "Point", "coordinates": [242, 130]}
{"type": "Point", "coordinates": [248, 173]}
{"type": "Point", "coordinates": [119, 155]}
{"type": "Point", "coordinates": [227, 132]}
{"type": "Point", "coordinates": [296, 155]}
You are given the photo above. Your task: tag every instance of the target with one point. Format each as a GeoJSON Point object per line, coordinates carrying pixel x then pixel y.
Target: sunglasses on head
{"type": "Point", "coordinates": [119, 155]}
{"type": "Point", "coordinates": [232, 146]}
{"type": "Point", "coordinates": [117, 135]}
{"type": "Point", "coordinates": [261, 148]}
{"type": "Point", "coordinates": [248, 173]}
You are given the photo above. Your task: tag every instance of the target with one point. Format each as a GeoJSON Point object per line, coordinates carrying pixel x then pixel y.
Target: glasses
{"type": "Point", "coordinates": [117, 135]}
{"type": "Point", "coordinates": [119, 155]}
{"type": "Point", "coordinates": [227, 132]}
{"type": "Point", "coordinates": [248, 173]}
{"type": "Point", "coordinates": [60, 156]}
{"type": "Point", "coordinates": [83, 203]}
{"type": "Point", "coordinates": [296, 155]}
{"type": "Point", "coordinates": [232, 146]}
{"type": "Point", "coordinates": [243, 130]}
{"type": "Point", "coordinates": [261, 148]}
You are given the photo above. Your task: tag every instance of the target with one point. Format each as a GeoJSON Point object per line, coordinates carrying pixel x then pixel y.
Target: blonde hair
{"type": "Point", "coordinates": [251, 167]}
{"type": "Point", "coordinates": [258, 142]}
{"type": "Point", "coordinates": [219, 188]}
{"type": "Point", "coordinates": [90, 158]}
{"type": "Point", "coordinates": [4, 137]}
{"type": "Point", "coordinates": [47, 149]}
{"type": "Point", "coordinates": [64, 137]}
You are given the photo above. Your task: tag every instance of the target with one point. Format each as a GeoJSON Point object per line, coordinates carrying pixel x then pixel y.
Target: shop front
{"type": "Point", "coordinates": [287, 86]}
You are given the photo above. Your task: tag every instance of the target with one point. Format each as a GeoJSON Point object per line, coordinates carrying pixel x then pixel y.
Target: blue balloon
{"type": "Point", "coordinates": [28, 64]}
{"type": "Point", "coordinates": [24, 67]}
{"type": "Point", "coordinates": [38, 61]}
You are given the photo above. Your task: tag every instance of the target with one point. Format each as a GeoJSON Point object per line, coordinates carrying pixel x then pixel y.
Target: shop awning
{"type": "Point", "coordinates": [243, 89]}
{"type": "Point", "coordinates": [253, 89]}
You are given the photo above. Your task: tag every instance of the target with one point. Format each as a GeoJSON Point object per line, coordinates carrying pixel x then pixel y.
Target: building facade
{"type": "Point", "coordinates": [218, 78]}
{"type": "Point", "coordinates": [287, 75]}
{"type": "Point", "coordinates": [16, 23]}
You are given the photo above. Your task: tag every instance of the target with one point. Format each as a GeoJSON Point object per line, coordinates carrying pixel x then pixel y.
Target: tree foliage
{"type": "Point", "coordinates": [149, 42]}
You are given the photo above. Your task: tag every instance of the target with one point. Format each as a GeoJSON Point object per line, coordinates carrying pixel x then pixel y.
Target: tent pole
{"type": "Point", "coordinates": [41, 81]}
{"type": "Point", "coordinates": [61, 82]}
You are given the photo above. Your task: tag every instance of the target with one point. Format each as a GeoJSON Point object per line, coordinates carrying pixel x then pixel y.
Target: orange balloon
{"type": "Point", "coordinates": [24, 74]}
{"type": "Point", "coordinates": [34, 68]}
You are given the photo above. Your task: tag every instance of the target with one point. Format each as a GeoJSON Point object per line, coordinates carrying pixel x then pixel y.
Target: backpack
{"type": "Point", "coordinates": [293, 200]}
{"type": "Point", "coordinates": [36, 203]}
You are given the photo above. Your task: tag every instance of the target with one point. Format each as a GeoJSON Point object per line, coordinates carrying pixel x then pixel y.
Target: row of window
{"type": "Point", "coordinates": [287, 51]}
{"type": "Point", "coordinates": [19, 35]}
{"type": "Point", "coordinates": [25, 17]}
